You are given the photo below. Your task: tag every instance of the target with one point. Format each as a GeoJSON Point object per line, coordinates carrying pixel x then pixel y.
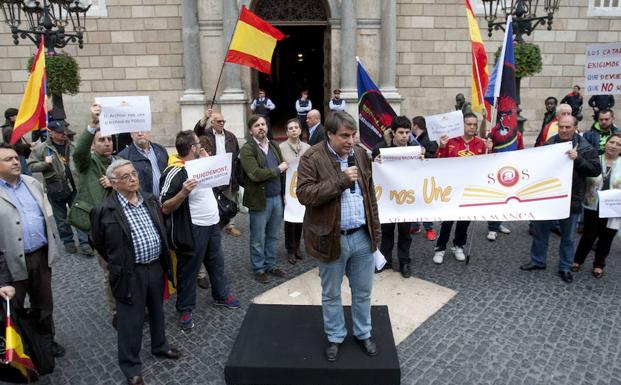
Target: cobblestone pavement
{"type": "Point", "coordinates": [504, 326]}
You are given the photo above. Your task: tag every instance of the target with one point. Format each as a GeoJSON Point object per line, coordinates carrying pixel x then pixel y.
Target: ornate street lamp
{"type": "Point", "coordinates": [30, 19]}
{"type": "Point", "coordinates": [523, 13]}
{"type": "Point", "coordinates": [50, 18]}
{"type": "Point", "coordinates": [526, 15]}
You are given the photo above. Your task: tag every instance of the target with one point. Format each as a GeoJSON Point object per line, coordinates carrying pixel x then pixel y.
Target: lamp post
{"type": "Point", "coordinates": [526, 15]}
{"type": "Point", "coordinates": [31, 19]}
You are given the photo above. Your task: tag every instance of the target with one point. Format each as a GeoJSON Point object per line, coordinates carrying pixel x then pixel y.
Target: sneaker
{"type": "Point", "coordinates": [229, 302]}
{"type": "Point", "coordinates": [431, 234]}
{"type": "Point", "coordinates": [491, 236]}
{"type": "Point", "coordinates": [438, 257]}
{"type": "Point", "coordinates": [86, 251]}
{"type": "Point", "coordinates": [276, 272]}
{"type": "Point", "coordinates": [185, 321]}
{"type": "Point", "coordinates": [414, 229]}
{"type": "Point", "coordinates": [261, 277]}
{"type": "Point", "coordinates": [504, 229]}
{"type": "Point", "coordinates": [458, 252]}
{"type": "Point", "coordinates": [232, 231]}
{"type": "Point", "coordinates": [70, 248]}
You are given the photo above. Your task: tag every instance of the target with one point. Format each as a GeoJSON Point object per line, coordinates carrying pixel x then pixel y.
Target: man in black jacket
{"type": "Point", "coordinates": [316, 132]}
{"type": "Point", "coordinates": [128, 233]}
{"type": "Point", "coordinates": [586, 164]}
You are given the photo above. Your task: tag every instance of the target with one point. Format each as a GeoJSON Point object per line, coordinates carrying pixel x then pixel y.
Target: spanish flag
{"type": "Point", "coordinates": [32, 114]}
{"type": "Point", "coordinates": [253, 42]}
{"type": "Point", "coordinates": [480, 76]}
{"type": "Point", "coordinates": [14, 354]}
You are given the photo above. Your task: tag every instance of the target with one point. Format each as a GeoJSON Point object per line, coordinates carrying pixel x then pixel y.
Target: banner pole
{"type": "Point", "coordinates": [215, 92]}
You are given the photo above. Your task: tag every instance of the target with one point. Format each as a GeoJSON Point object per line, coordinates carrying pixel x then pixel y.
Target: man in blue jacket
{"type": "Point", "coordinates": [149, 159]}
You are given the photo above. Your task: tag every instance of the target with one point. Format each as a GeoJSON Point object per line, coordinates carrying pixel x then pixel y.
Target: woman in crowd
{"type": "Point", "coordinates": [596, 228]}
{"type": "Point", "coordinates": [292, 149]}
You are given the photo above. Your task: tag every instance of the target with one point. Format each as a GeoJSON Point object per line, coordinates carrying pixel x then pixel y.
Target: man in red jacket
{"type": "Point", "coordinates": [467, 145]}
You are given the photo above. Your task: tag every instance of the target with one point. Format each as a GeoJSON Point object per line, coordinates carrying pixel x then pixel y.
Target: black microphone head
{"type": "Point", "coordinates": [351, 161]}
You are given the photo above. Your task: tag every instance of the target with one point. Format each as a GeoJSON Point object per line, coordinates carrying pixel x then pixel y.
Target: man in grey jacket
{"type": "Point", "coordinates": [29, 240]}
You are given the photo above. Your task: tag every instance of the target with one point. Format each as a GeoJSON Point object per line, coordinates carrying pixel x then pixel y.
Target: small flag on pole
{"type": "Point", "coordinates": [32, 114]}
{"type": "Point", "coordinates": [374, 112]}
{"type": "Point", "coordinates": [253, 42]}
{"type": "Point", "coordinates": [480, 75]}
{"type": "Point", "coordinates": [14, 353]}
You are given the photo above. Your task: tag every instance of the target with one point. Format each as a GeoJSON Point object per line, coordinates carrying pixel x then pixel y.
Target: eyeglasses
{"type": "Point", "coordinates": [127, 177]}
{"type": "Point", "coordinates": [220, 121]}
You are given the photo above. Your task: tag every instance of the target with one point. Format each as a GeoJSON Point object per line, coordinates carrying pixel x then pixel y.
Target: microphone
{"type": "Point", "coordinates": [351, 161]}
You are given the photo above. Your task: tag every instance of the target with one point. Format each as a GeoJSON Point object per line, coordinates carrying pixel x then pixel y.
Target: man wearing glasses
{"type": "Point", "coordinates": [128, 232]}
{"type": "Point", "coordinates": [193, 229]}
{"type": "Point", "coordinates": [220, 141]}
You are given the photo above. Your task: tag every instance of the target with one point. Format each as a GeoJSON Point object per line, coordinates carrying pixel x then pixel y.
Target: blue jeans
{"type": "Point", "coordinates": [493, 226]}
{"type": "Point", "coordinates": [356, 261]}
{"type": "Point", "coordinates": [541, 233]}
{"type": "Point", "coordinates": [265, 229]}
{"type": "Point", "coordinates": [207, 250]}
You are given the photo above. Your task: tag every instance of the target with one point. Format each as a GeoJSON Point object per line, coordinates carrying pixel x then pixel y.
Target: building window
{"type": "Point", "coordinates": [98, 9]}
{"type": "Point", "coordinates": [604, 8]}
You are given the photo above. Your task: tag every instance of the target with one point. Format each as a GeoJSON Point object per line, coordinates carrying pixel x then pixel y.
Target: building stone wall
{"type": "Point", "coordinates": [137, 49]}
{"type": "Point", "coordinates": [433, 56]}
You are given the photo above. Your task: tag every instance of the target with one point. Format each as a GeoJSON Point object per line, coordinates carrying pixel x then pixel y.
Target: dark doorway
{"type": "Point", "coordinates": [298, 63]}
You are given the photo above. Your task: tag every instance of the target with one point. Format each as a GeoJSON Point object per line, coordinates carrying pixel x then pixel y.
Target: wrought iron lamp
{"type": "Point", "coordinates": [31, 18]}
{"type": "Point", "coordinates": [526, 15]}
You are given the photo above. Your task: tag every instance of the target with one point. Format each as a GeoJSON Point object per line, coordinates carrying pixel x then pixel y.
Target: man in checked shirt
{"type": "Point", "coordinates": [128, 232]}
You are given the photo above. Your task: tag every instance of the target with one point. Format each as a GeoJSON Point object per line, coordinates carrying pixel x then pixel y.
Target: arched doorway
{"type": "Point", "coordinates": [300, 61]}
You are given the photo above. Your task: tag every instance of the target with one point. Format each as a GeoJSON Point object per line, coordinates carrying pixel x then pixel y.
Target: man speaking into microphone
{"type": "Point", "coordinates": [341, 228]}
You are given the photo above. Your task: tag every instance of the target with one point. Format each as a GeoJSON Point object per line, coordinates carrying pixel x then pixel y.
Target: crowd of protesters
{"type": "Point", "coordinates": [135, 209]}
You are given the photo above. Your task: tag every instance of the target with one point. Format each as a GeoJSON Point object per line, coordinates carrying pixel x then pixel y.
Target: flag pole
{"type": "Point", "coordinates": [215, 92]}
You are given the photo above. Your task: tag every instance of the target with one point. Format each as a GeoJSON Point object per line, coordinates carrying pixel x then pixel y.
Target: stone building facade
{"type": "Point", "coordinates": [417, 51]}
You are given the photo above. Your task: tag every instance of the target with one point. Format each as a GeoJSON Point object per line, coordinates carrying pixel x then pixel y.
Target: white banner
{"type": "Point", "coordinates": [124, 114]}
{"type": "Point", "coordinates": [212, 171]}
{"type": "Point", "coordinates": [294, 211]}
{"type": "Point", "coordinates": [533, 184]}
{"type": "Point", "coordinates": [451, 124]}
{"type": "Point", "coordinates": [609, 203]}
{"type": "Point", "coordinates": [602, 69]}
{"type": "Point", "coordinates": [400, 153]}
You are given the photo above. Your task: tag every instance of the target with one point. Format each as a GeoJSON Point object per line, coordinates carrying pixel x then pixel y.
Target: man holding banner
{"type": "Point", "coordinates": [586, 164]}
{"type": "Point", "coordinates": [467, 145]}
{"type": "Point", "coordinates": [398, 135]}
{"type": "Point", "coordinates": [341, 228]}
{"type": "Point", "coordinates": [193, 230]}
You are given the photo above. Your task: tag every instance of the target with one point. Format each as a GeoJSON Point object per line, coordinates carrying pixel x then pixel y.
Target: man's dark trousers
{"type": "Point", "coordinates": [403, 243]}
{"type": "Point", "coordinates": [147, 289]}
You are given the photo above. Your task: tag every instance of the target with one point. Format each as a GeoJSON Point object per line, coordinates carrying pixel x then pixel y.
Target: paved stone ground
{"type": "Point", "coordinates": [504, 326]}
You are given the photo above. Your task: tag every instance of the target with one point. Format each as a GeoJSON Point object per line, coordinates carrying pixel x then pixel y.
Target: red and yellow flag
{"type": "Point", "coordinates": [253, 42]}
{"type": "Point", "coordinates": [480, 76]}
{"type": "Point", "coordinates": [32, 114]}
{"type": "Point", "coordinates": [14, 354]}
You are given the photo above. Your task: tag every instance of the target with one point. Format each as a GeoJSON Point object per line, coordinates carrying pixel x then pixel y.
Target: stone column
{"type": "Point", "coordinates": [349, 22]}
{"type": "Point", "coordinates": [193, 99]}
{"type": "Point", "coordinates": [233, 99]}
{"type": "Point", "coordinates": [388, 54]}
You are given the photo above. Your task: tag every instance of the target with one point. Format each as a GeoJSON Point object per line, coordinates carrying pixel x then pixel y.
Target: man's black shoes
{"type": "Point", "coordinates": [566, 276]}
{"type": "Point", "coordinates": [332, 351]}
{"type": "Point", "coordinates": [368, 346]}
{"type": "Point", "coordinates": [406, 271]}
{"type": "Point", "coordinates": [57, 350]}
{"type": "Point", "coordinates": [532, 266]}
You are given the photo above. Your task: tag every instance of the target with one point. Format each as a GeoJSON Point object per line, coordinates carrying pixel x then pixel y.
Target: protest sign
{"type": "Point", "coordinates": [212, 171]}
{"type": "Point", "coordinates": [294, 211]}
{"type": "Point", "coordinates": [451, 124]}
{"type": "Point", "coordinates": [533, 184]}
{"type": "Point", "coordinates": [603, 69]}
{"type": "Point", "coordinates": [124, 114]}
{"type": "Point", "coordinates": [609, 203]}
{"type": "Point", "coordinates": [400, 153]}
